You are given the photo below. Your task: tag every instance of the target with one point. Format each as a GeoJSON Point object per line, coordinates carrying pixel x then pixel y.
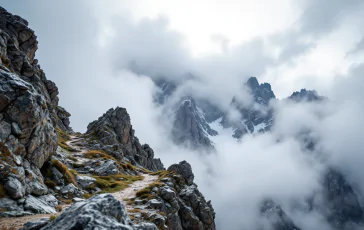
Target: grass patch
{"type": "Point", "coordinates": [72, 158]}
{"type": "Point", "coordinates": [63, 137]}
{"type": "Point", "coordinates": [87, 195]}
{"type": "Point", "coordinates": [97, 154]}
{"type": "Point", "coordinates": [67, 174]}
{"type": "Point", "coordinates": [113, 183]}
{"type": "Point", "coordinates": [135, 210]}
{"type": "Point", "coordinates": [50, 183]}
{"type": "Point", "coordinates": [66, 201]}
{"type": "Point", "coordinates": [146, 193]}
{"type": "Point", "coordinates": [52, 217]}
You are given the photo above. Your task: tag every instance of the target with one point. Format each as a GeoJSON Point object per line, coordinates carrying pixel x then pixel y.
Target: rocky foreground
{"type": "Point", "coordinates": [53, 178]}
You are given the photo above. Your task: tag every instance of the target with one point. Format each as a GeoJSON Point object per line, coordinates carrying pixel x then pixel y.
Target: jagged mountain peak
{"type": "Point", "coordinates": [262, 93]}
{"type": "Point", "coordinates": [306, 95]}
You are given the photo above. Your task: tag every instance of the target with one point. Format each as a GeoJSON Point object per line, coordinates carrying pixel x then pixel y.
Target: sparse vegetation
{"type": "Point", "coordinates": [66, 201]}
{"type": "Point", "coordinates": [52, 217]}
{"type": "Point", "coordinates": [97, 154]}
{"type": "Point", "coordinates": [69, 177]}
{"type": "Point", "coordinates": [72, 158]}
{"type": "Point", "coordinates": [59, 208]}
{"type": "Point", "coordinates": [63, 137]}
{"type": "Point", "coordinates": [146, 193]}
{"type": "Point", "coordinates": [50, 183]}
{"type": "Point", "coordinates": [115, 183]}
{"type": "Point", "coordinates": [87, 195]}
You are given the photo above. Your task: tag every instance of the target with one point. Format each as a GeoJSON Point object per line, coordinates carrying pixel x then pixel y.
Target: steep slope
{"type": "Point", "coordinates": [113, 133]}
{"type": "Point", "coordinates": [28, 111]}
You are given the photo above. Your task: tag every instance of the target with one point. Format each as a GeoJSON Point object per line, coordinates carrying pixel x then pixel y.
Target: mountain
{"type": "Point", "coordinates": [195, 126]}
{"type": "Point", "coordinates": [256, 116]}
{"type": "Point", "coordinates": [54, 178]}
{"type": "Point", "coordinates": [197, 121]}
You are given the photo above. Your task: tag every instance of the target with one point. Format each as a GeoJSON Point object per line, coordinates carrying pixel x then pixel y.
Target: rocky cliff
{"type": "Point", "coordinates": [113, 132]}
{"type": "Point", "coordinates": [28, 111]}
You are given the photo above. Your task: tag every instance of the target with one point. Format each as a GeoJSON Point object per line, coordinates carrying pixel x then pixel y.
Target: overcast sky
{"type": "Point", "coordinates": [291, 44]}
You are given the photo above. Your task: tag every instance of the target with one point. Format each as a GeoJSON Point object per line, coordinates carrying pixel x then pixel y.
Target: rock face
{"type": "Point", "coordinates": [255, 117]}
{"type": "Point", "coordinates": [306, 96]}
{"type": "Point", "coordinates": [28, 114]}
{"type": "Point", "coordinates": [114, 130]}
{"type": "Point", "coordinates": [185, 170]}
{"type": "Point", "coordinates": [179, 202]}
{"type": "Point", "coordinates": [63, 119]}
{"type": "Point", "coordinates": [341, 201]}
{"type": "Point", "coordinates": [28, 205]}
{"type": "Point", "coordinates": [190, 127]}
{"type": "Point", "coordinates": [99, 212]}
{"type": "Point", "coordinates": [276, 217]}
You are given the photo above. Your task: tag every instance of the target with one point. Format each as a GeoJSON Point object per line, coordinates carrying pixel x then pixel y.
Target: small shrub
{"type": "Point", "coordinates": [113, 183]}
{"type": "Point", "coordinates": [50, 183]}
{"type": "Point", "coordinates": [87, 195]}
{"type": "Point", "coordinates": [52, 217]}
{"type": "Point", "coordinates": [59, 208]}
{"type": "Point", "coordinates": [69, 177]}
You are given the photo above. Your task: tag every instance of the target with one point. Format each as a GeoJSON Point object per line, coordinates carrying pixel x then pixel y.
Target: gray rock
{"type": "Point", "coordinates": [114, 130]}
{"type": "Point", "coordinates": [28, 103]}
{"type": "Point", "coordinates": [145, 226]}
{"type": "Point", "coordinates": [14, 188]}
{"type": "Point", "coordinates": [139, 202]}
{"type": "Point", "coordinates": [190, 128]}
{"type": "Point", "coordinates": [107, 168]}
{"type": "Point", "coordinates": [154, 204]}
{"type": "Point", "coordinates": [9, 205]}
{"type": "Point", "coordinates": [275, 215]}
{"type": "Point", "coordinates": [85, 181]}
{"type": "Point", "coordinates": [174, 222]}
{"type": "Point", "coordinates": [5, 130]}
{"type": "Point", "coordinates": [185, 170]}
{"type": "Point", "coordinates": [57, 176]}
{"type": "Point", "coordinates": [70, 189]}
{"type": "Point", "coordinates": [99, 212]}
{"type": "Point", "coordinates": [38, 188]}
{"type": "Point", "coordinates": [167, 193]}
{"type": "Point", "coordinates": [77, 199]}
{"type": "Point", "coordinates": [50, 200]}
{"type": "Point", "coordinates": [39, 206]}
{"type": "Point", "coordinates": [36, 224]}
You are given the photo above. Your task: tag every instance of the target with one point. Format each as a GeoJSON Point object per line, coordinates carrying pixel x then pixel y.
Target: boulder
{"type": "Point", "coordinates": [99, 212]}
{"type": "Point", "coordinates": [50, 200]}
{"type": "Point", "coordinates": [37, 205]}
{"type": "Point", "coordinates": [85, 181]}
{"type": "Point", "coordinates": [36, 224]}
{"type": "Point", "coordinates": [154, 204]}
{"type": "Point", "coordinates": [107, 168]}
{"type": "Point", "coordinates": [14, 188]}
{"type": "Point", "coordinates": [185, 170]}
{"type": "Point", "coordinates": [167, 193]}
